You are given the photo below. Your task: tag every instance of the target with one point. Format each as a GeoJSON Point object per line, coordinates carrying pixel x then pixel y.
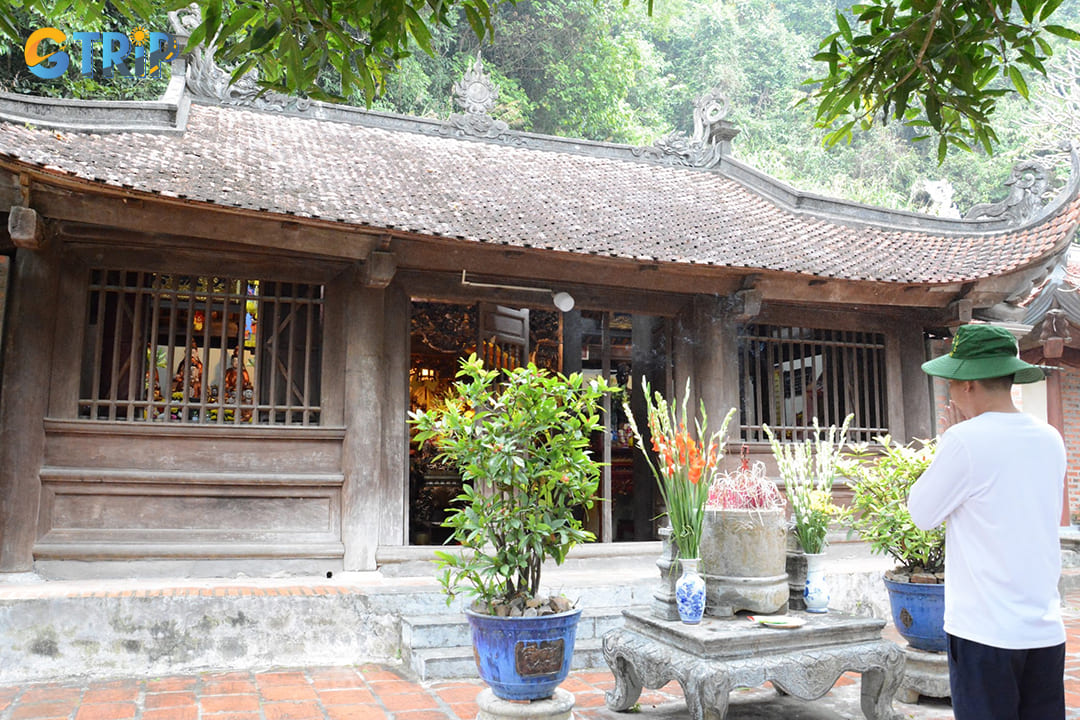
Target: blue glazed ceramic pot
{"type": "Point", "coordinates": [918, 612]}
{"type": "Point", "coordinates": [524, 658]}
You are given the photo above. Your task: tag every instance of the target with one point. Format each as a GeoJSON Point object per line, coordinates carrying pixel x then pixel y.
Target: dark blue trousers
{"type": "Point", "coordinates": [990, 683]}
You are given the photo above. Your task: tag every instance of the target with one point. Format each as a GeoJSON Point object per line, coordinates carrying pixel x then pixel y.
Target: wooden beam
{"type": "Point", "coordinates": [141, 213]}
{"type": "Point", "coordinates": [25, 228]}
{"type": "Point", "coordinates": [447, 287]}
{"type": "Point", "coordinates": [379, 268]}
{"type": "Point", "coordinates": [124, 250]}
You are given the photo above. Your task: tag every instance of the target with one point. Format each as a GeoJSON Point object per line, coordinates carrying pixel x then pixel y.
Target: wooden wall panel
{"type": "Point", "coordinates": [144, 491]}
{"type": "Point", "coordinates": [148, 446]}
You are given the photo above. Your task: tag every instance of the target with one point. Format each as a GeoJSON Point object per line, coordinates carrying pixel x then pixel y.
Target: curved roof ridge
{"type": "Point", "coordinates": [438, 186]}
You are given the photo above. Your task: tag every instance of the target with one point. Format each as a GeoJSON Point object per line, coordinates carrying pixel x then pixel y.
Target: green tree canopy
{"type": "Point", "coordinates": [935, 65]}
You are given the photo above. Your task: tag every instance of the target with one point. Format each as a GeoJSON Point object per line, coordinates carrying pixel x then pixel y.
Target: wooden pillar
{"type": "Point", "coordinates": [683, 354]}
{"type": "Point", "coordinates": [643, 364]}
{"type": "Point", "coordinates": [716, 364]}
{"type": "Point", "coordinates": [27, 350]}
{"type": "Point", "coordinates": [1054, 337]}
{"type": "Point", "coordinates": [393, 504]}
{"type": "Point", "coordinates": [908, 390]}
{"type": "Point", "coordinates": [1055, 416]}
{"type": "Point", "coordinates": [364, 399]}
{"type": "Point", "coordinates": [571, 338]}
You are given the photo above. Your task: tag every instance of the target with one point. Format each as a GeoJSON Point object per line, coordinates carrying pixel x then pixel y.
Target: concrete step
{"type": "Point", "coordinates": [439, 647]}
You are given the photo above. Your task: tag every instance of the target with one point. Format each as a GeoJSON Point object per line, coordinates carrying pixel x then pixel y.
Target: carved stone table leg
{"type": "Point", "coordinates": [628, 683]}
{"type": "Point", "coordinates": [627, 688]}
{"type": "Point", "coordinates": [707, 693]}
{"type": "Point", "coordinates": [878, 687]}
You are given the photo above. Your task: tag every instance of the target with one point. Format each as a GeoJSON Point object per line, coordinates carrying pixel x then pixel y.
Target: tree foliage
{"type": "Point", "coordinates": [605, 72]}
{"type": "Point", "coordinates": [932, 64]}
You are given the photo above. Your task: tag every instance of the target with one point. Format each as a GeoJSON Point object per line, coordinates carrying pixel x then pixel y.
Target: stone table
{"type": "Point", "coordinates": [716, 656]}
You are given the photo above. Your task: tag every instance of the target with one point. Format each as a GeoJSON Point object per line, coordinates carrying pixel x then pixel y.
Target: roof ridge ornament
{"type": "Point", "coordinates": [205, 79]}
{"type": "Point", "coordinates": [710, 141]}
{"type": "Point", "coordinates": [478, 95]}
{"type": "Point", "coordinates": [1028, 183]}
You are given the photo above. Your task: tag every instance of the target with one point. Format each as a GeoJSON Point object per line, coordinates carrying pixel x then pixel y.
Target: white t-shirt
{"type": "Point", "coordinates": [996, 480]}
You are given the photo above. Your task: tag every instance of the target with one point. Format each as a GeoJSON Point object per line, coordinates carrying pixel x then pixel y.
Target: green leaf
{"type": "Point", "coordinates": [845, 29]}
{"type": "Point", "coordinates": [1018, 81]}
{"type": "Point", "coordinates": [419, 30]}
{"type": "Point", "coordinates": [1049, 8]}
{"type": "Point", "coordinates": [475, 21]}
{"type": "Point", "coordinates": [262, 35]}
{"type": "Point", "coordinates": [1062, 31]}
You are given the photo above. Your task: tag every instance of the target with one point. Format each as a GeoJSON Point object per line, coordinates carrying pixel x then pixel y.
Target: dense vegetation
{"type": "Point", "coordinates": [602, 71]}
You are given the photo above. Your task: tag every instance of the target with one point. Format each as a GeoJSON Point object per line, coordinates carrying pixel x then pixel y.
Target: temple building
{"type": "Point", "coordinates": [220, 308]}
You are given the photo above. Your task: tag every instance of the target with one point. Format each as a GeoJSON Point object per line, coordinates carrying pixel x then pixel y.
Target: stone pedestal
{"type": "Point", "coordinates": [711, 659]}
{"type": "Point", "coordinates": [796, 573]}
{"type": "Point", "coordinates": [559, 706]}
{"type": "Point", "coordinates": [925, 674]}
{"type": "Point", "coordinates": [663, 604]}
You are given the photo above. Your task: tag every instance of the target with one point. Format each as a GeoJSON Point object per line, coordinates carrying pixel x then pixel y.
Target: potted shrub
{"type": "Point", "coordinates": [743, 543]}
{"type": "Point", "coordinates": [520, 440]}
{"type": "Point", "coordinates": [880, 483]}
{"type": "Point", "coordinates": [808, 469]}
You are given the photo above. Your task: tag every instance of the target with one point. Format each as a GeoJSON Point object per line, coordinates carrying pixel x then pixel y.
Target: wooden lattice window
{"type": "Point", "coordinates": [206, 350]}
{"type": "Point", "coordinates": [788, 376]}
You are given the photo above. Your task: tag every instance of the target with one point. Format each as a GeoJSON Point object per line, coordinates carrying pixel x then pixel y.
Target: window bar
{"type": "Point", "coordinates": [185, 414]}
{"type": "Point", "coordinates": [836, 351]}
{"type": "Point", "coordinates": [290, 353]}
{"type": "Point", "coordinates": [135, 366]}
{"type": "Point", "coordinates": [114, 359]}
{"type": "Point", "coordinates": [746, 418]}
{"type": "Point", "coordinates": [879, 399]}
{"type": "Point", "coordinates": [761, 365]}
{"type": "Point", "coordinates": [865, 386]}
{"type": "Point", "coordinates": [798, 376]}
{"type": "Point", "coordinates": [851, 394]}
{"type": "Point", "coordinates": [826, 386]}
{"type": "Point", "coordinates": [238, 380]}
{"type": "Point", "coordinates": [809, 378]}
{"type": "Point", "coordinates": [275, 334]}
{"type": "Point", "coordinates": [309, 330]}
{"type": "Point", "coordinates": [99, 339]}
{"type": "Point", "coordinates": [174, 302]}
{"type": "Point", "coordinates": [225, 360]}
{"type": "Point", "coordinates": [260, 353]}
{"type": "Point", "coordinates": [155, 320]}
{"type": "Point", "coordinates": [772, 352]}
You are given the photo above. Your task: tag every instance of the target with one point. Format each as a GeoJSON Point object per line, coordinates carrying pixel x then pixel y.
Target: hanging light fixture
{"type": "Point", "coordinates": [564, 301]}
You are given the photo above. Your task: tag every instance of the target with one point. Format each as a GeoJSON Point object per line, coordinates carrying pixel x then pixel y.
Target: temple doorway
{"type": "Point", "coordinates": [621, 347]}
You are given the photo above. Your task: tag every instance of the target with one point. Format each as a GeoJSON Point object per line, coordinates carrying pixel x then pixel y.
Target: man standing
{"type": "Point", "coordinates": [996, 481]}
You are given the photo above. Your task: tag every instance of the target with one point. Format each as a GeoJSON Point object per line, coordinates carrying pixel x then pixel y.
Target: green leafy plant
{"type": "Point", "coordinates": [520, 440]}
{"type": "Point", "coordinates": [934, 65]}
{"type": "Point", "coordinates": [686, 462]}
{"type": "Point", "coordinates": [881, 481]}
{"type": "Point", "coordinates": [808, 469]}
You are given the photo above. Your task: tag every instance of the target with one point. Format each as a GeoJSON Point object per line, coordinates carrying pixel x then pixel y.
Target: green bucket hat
{"type": "Point", "coordinates": [980, 352]}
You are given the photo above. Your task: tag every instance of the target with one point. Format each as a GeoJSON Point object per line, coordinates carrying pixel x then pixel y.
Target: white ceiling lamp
{"type": "Point", "coordinates": [564, 301]}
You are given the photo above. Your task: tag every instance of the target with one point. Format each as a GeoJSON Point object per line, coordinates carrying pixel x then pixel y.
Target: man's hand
{"type": "Point", "coordinates": [951, 416]}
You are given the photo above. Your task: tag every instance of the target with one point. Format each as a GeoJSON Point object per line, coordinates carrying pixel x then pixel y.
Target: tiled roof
{"type": "Point", "coordinates": [491, 193]}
